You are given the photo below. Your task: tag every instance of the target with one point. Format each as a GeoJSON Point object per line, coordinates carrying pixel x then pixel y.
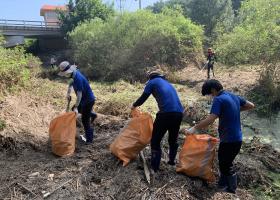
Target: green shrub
{"type": "Point", "coordinates": [125, 45]}
{"type": "Point", "coordinates": [15, 68]}
{"type": "Point", "coordinates": [257, 36]}
{"type": "Point", "coordinates": [2, 125]}
{"type": "Point", "coordinates": [266, 94]}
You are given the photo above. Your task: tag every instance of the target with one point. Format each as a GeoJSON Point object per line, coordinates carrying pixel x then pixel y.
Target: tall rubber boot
{"type": "Point", "coordinates": [89, 135]}
{"type": "Point", "coordinates": [222, 183]}
{"type": "Point", "coordinates": [232, 183]}
{"type": "Point", "coordinates": [93, 116]}
{"type": "Point", "coordinates": [155, 160]}
{"type": "Point", "coordinates": [172, 155]}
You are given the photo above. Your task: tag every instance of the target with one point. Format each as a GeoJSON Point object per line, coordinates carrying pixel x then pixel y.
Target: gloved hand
{"type": "Point", "coordinates": [192, 130]}
{"type": "Point", "coordinates": [75, 109]}
{"type": "Point", "coordinates": [132, 107]}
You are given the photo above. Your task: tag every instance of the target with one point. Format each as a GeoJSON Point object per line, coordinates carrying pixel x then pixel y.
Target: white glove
{"type": "Point", "coordinates": [76, 110]}
{"type": "Point", "coordinates": [192, 130]}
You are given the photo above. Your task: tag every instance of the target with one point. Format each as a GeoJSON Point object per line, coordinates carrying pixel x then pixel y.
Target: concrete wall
{"type": "Point", "coordinates": [12, 41]}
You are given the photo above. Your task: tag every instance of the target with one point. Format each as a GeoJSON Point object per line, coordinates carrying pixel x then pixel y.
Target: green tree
{"type": "Point", "coordinates": [216, 16]}
{"type": "Point", "coordinates": [124, 45]}
{"type": "Point", "coordinates": [256, 38]}
{"type": "Point", "coordinates": [83, 10]}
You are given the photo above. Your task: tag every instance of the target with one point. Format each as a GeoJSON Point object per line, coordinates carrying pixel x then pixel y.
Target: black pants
{"type": "Point", "coordinates": [86, 111]}
{"type": "Point", "coordinates": [226, 154]}
{"type": "Point", "coordinates": [210, 67]}
{"type": "Point", "coordinates": [166, 122]}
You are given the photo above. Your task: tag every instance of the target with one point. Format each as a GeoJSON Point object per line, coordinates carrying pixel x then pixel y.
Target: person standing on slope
{"type": "Point", "coordinates": [85, 96]}
{"type": "Point", "coordinates": [211, 59]}
{"type": "Point", "coordinates": [168, 118]}
{"type": "Point", "coordinates": [227, 107]}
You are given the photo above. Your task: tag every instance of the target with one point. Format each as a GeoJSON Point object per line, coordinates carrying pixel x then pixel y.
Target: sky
{"type": "Point", "coordinates": [30, 9]}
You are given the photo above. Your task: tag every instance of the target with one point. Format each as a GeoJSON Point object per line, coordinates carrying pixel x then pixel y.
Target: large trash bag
{"type": "Point", "coordinates": [62, 132]}
{"type": "Point", "coordinates": [134, 137]}
{"type": "Point", "coordinates": [197, 156]}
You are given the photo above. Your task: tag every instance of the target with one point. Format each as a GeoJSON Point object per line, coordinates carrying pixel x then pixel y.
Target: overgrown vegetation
{"type": "Point", "coordinates": [2, 125]}
{"type": "Point", "coordinates": [216, 16]}
{"type": "Point", "coordinates": [14, 68]}
{"type": "Point", "coordinates": [266, 94]}
{"type": "Point", "coordinates": [123, 46]}
{"type": "Point", "coordinates": [256, 38]}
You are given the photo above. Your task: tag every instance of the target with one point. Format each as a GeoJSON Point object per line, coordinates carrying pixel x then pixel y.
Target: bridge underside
{"type": "Point", "coordinates": [49, 38]}
{"type": "Point", "coordinates": [44, 43]}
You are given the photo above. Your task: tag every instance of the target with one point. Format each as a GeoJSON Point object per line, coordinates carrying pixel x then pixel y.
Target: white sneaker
{"type": "Point", "coordinates": [82, 138]}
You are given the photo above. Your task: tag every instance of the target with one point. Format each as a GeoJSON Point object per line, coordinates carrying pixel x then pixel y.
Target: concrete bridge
{"type": "Point", "coordinates": [48, 34]}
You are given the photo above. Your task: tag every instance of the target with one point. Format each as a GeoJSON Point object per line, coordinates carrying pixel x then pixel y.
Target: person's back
{"type": "Point", "coordinates": [229, 116]}
{"type": "Point", "coordinates": [165, 95]}
{"type": "Point", "coordinates": [168, 118]}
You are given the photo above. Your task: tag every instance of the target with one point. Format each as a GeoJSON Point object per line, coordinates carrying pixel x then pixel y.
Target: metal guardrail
{"type": "Point", "coordinates": [28, 24]}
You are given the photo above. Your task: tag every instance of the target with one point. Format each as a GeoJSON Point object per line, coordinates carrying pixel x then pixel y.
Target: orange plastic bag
{"type": "Point", "coordinates": [62, 132]}
{"type": "Point", "coordinates": [134, 137]}
{"type": "Point", "coordinates": [197, 156]}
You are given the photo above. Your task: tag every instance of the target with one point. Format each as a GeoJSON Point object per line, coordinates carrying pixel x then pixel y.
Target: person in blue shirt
{"type": "Point", "coordinates": [85, 96]}
{"type": "Point", "coordinates": [227, 107]}
{"type": "Point", "coordinates": [168, 118]}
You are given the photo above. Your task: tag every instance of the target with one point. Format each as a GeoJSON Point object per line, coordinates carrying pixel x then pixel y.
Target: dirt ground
{"type": "Point", "coordinates": [238, 80]}
{"type": "Point", "coordinates": [28, 167]}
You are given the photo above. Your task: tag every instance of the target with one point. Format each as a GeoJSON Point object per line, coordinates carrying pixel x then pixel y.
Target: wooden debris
{"type": "Point", "coordinates": [27, 189]}
{"type": "Point", "coordinates": [47, 194]}
{"type": "Point", "coordinates": [146, 168]}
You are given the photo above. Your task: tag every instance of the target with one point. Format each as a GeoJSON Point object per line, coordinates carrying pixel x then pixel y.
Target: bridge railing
{"type": "Point", "coordinates": [28, 24]}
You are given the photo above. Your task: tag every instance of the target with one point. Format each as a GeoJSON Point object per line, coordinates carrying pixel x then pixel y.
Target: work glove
{"type": "Point", "coordinates": [75, 109]}
{"type": "Point", "coordinates": [192, 130]}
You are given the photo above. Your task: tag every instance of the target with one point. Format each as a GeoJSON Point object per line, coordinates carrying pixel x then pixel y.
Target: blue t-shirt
{"type": "Point", "coordinates": [165, 95]}
{"type": "Point", "coordinates": [227, 107]}
{"type": "Point", "coordinates": [80, 83]}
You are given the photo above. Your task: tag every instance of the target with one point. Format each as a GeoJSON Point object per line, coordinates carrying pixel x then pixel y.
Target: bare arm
{"type": "Point", "coordinates": [79, 98]}
{"type": "Point", "coordinates": [206, 122]}
{"type": "Point", "coordinates": [248, 106]}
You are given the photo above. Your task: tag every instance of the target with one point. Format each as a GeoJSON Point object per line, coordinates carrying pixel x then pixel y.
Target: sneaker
{"type": "Point", "coordinates": [82, 138]}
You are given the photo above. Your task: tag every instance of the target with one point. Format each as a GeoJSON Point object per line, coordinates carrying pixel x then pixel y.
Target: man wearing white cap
{"type": "Point", "coordinates": [85, 97]}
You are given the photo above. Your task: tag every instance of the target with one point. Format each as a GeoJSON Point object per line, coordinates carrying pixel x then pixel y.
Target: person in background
{"type": "Point", "coordinates": [211, 59]}
{"type": "Point", "coordinates": [168, 118]}
{"type": "Point", "coordinates": [53, 61]}
{"type": "Point", "coordinates": [227, 107]}
{"type": "Point", "coordinates": [85, 96]}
